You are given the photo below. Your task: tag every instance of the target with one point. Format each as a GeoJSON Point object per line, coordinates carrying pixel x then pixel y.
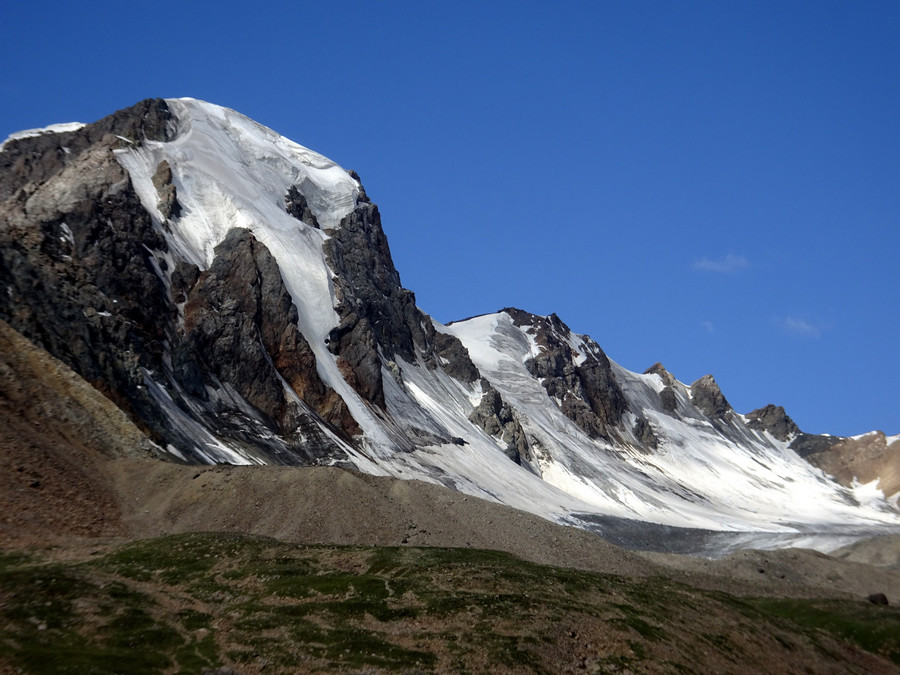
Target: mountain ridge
{"type": "Point", "coordinates": [235, 293]}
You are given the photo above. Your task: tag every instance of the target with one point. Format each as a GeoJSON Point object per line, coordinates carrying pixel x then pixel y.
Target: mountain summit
{"type": "Point", "coordinates": [234, 294]}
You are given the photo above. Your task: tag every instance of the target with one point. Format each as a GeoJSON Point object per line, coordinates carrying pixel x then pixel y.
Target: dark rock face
{"type": "Point", "coordinates": [379, 318]}
{"type": "Point", "coordinates": [77, 262]}
{"type": "Point", "coordinates": [498, 420]}
{"type": "Point", "coordinates": [669, 400]}
{"type": "Point", "coordinates": [362, 197]}
{"type": "Point", "coordinates": [644, 433]}
{"type": "Point", "coordinates": [34, 160]}
{"type": "Point", "coordinates": [807, 445]}
{"type": "Point", "coordinates": [168, 199]}
{"type": "Point", "coordinates": [240, 324]}
{"type": "Point", "coordinates": [708, 397]}
{"type": "Point", "coordinates": [774, 420]}
{"type": "Point", "coordinates": [353, 341]}
{"type": "Point", "coordinates": [182, 280]}
{"type": "Point", "coordinates": [368, 283]}
{"type": "Point", "coordinates": [295, 204]}
{"type": "Point", "coordinates": [587, 394]}
{"type": "Point", "coordinates": [454, 357]}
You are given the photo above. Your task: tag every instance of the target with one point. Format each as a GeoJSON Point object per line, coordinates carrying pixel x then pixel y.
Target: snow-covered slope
{"type": "Point", "coordinates": [508, 406]}
{"type": "Point", "coordinates": [715, 474]}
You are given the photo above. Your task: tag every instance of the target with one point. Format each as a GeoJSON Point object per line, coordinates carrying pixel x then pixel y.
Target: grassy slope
{"type": "Point", "coordinates": [187, 602]}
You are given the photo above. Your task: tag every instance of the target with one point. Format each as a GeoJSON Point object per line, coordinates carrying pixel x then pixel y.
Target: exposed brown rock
{"type": "Point", "coordinates": [658, 369]}
{"type": "Point", "coordinates": [863, 459]}
{"type": "Point", "coordinates": [241, 322]}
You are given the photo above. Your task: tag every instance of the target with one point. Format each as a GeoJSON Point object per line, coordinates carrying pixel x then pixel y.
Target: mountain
{"type": "Point", "coordinates": [233, 293]}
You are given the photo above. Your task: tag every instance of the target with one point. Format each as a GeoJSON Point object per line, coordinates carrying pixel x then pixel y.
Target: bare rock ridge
{"type": "Point", "coordinates": [379, 318]}
{"type": "Point", "coordinates": [498, 419]}
{"type": "Point", "coordinates": [667, 396]}
{"type": "Point", "coordinates": [709, 398]}
{"type": "Point", "coordinates": [588, 393]}
{"type": "Point", "coordinates": [774, 420]}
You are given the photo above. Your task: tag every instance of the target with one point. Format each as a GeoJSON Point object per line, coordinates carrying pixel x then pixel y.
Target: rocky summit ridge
{"type": "Point", "coordinates": [233, 293]}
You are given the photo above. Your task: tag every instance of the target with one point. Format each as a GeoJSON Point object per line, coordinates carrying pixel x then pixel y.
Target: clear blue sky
{"type": "Point", "coordinates": [714, 185]}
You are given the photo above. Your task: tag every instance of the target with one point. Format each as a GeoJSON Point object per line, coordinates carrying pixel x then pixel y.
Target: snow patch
{"type": "Point", "coordinates": [869, 493]}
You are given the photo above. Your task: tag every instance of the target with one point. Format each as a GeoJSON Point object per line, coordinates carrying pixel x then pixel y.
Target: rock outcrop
{"type": "Point", "coordinates": [240, 325]}
{"type": "Point", "coordinates": [168, 196]}
{"type": "Point", "coordinates": [498, 420]}
{"type": "Point", "coordinates": [659, 369]}
{"type": "Point", "coordinates": [708, 398]}
{"type": "Point", "coordinates": [89, 277]}
{"type": "Point", "coordinates": [78, 259]}
{"type": "Point", "coordinates": [861, 459]}
{"type": "Point", "coordinates": [379, 318]}
{"type": "Point", "coordinates": [27, 162]}
{"type": "Point", "coordinates": [295, 204]}
{"type": "Point", "coordinates": [773, 419]}
{"type": "Point", "coordinates": [585, 389]}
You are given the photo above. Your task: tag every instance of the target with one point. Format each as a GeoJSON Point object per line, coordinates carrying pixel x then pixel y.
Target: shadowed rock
{"type": "Point", "coordinates": [774, 420]}
{"type": "Point", "coordinates": [708, 398]}
{"type": "Point", "coordinates": [379, 318]}
{"type": "Point", "coordinates": [497, 419]}
{"type": "Point", "coordinates": [168, 198]}
{"type": "Point", "coordinates": [241, 324]}
{"type": "Point", "coordinates": [585, 388]}
{"type": "Point", "coordinates": [668, 400]}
